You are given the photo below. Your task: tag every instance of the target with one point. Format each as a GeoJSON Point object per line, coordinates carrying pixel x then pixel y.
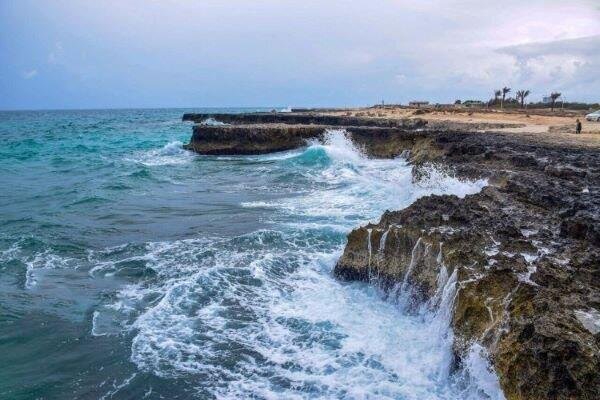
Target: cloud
{"type": "Point", "coordinates": [29, 74]}
{"type": "Point", "coordinates": [400, 78]}
{"type": "Point", "coordinates": [214, 53]}
{"type": "Point", "coordinates": [570, 65]}
{"type": "Point", "coordinates": [56, 55]}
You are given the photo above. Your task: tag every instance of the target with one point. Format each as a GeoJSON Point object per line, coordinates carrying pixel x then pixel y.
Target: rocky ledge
{"type": "Point", "coordinates": [267, 138]}
{"type": "Point", "coordinates": [307, 118]}
{"type": "Point", "coordinates": [525, 253]}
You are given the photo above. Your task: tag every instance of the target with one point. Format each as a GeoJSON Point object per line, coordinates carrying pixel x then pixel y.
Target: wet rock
{"type": "Point", "coordinates": [251, 139]}
{"type": "Point", "coordinates": [268, 138]}
{"type": "Point", "coordinates": [525, 250]}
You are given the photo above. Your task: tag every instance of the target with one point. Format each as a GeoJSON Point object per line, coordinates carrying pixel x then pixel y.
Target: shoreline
{"type": "Point", "coordinates": [525, 249]}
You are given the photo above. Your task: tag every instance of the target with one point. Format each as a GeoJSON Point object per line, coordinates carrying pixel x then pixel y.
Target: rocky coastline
{"type": "Point", "coordinates": [525, 251]}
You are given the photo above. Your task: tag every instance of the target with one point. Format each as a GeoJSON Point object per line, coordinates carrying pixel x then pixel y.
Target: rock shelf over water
{"type": "Point", "coordinates": [307, 119]}
{"type": "Point", "coordinates": [525, 250]}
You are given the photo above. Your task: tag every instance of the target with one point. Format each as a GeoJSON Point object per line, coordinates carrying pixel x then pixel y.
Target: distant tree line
{"type": "Point", "coordinates": [500, 99]}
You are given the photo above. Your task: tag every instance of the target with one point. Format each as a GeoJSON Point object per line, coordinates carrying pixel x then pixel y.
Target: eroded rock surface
{"type": "Point", "coordinates": [526, 251]}
{"type": "Point", "coordinates": [251, 139]}
{"type": "Point", "coordinates": [267, 138]}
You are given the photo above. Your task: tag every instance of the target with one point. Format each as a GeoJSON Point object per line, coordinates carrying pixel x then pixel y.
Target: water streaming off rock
{"type": "Point", "coordinates": [131, 268]}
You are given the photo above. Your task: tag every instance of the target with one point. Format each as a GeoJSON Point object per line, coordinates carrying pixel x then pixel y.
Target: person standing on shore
{"type": "Point", "coordinates": [578, 126]}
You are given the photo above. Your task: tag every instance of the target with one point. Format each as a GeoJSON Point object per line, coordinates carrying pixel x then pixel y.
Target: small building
{"type": "Point", "coordinates": [418, 104]}
{"type": "Point", "coordinates": [473, 103]}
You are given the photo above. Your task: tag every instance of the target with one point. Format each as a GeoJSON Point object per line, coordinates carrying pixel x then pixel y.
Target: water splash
{"type": "Point", "coordinates": [212, 122]}
{"type": "Point", "coordinates": [170, 154]}
{"type": "Point", "coordinates": [370, 250]}
{"type": "Point", "coordinates": [383, 240]}
{"type": "Point", "coordinates": [259, 315]}
{"type": "Point", "coordinates": [414, 257]}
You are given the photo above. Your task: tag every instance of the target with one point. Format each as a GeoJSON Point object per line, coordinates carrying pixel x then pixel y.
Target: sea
{"type": "Point", "coordinates": [131, 268]}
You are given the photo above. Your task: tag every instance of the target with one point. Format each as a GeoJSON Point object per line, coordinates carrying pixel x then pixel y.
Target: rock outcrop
{"type": "Point", "coordinates": [267, 138]}
{"type": "Point", "coordinates": [251, 139]}
{"type": "Point", "coordinates": [307, 118]}
{"type": "Point", "coordinates": [526, 252]}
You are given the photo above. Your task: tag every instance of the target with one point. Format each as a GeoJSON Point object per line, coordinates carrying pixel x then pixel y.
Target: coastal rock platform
{"type": "Point", "coordinates": [308, 118]}
{"type": "Point", "coordinates": [267, 138]}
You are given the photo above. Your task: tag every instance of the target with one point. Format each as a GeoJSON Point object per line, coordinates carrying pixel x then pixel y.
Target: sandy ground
{"type": "Point", "coordinates": [540, 125]}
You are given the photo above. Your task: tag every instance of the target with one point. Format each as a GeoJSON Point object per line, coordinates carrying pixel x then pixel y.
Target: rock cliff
{"type": "Point", "coordinates": [525, 251]}
{"type": "Point", "coordinates": [267, 138]}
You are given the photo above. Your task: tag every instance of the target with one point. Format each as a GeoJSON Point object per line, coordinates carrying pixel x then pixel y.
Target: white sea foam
{"type": "Point", "coordinates": [356, 185]}
{"type": "Point", "coordinates": [260, 315]}
{"type": "Point", "coordinates": [40, 262]}
{"type": "Point", "coordinates": [172, 153]}
{"type": "Point", "coordinates": [477, 373]}
{"type": "Point", "coordinates": [212, 122]}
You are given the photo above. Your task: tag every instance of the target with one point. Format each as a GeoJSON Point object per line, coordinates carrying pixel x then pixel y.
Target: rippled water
{"type": "Point", "coordinates": [130, 268]}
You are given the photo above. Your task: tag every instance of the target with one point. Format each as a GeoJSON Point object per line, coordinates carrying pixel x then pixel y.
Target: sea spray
{"type": "Point", "coordinates": [302, 317]}
{"type": "Point", "coordinates": [414, 257]}
{"type": "Point", "coordinates": [370, 251]}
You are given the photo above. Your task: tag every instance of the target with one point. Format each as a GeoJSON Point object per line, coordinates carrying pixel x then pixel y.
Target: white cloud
{"type": "Point", "coordinates": [569, 65]}
{"type": "Point", "coordinates": [29, 74]}
{"type": "Point", "coordinates": [56, 55]}
{"type": "Point", "coordinates": [312, 52]}
{"type": "Point", "coordinates": [400, 78]}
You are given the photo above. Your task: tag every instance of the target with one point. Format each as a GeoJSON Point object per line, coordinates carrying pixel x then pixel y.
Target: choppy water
{"type": "Point", "coordinates": [130, 268]}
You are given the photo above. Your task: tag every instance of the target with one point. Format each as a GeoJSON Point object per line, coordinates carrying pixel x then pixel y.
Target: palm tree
{"type": "Point", "coordinates": [521, 94]}
{"type": "Point", "coordinates": [497, 94]}
{"type": "Point", "coordinates": [553, 97]}
{"type": "Point", "coordinates": [505, 91]}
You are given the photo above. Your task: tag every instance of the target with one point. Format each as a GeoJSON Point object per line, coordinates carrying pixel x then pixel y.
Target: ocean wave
{"type": "Point", "coordinates": [212, 122]}
{"type": "Point", "coordinates": [36, 257]}
{"type": "Point", "coordinates": [348, 187]}
{"type": "Point", "coordinates": [266, 301]}
{"type": "Point", "coordinates": [172, 153]}
{"type": "Point", "coordinates": [260, 315]}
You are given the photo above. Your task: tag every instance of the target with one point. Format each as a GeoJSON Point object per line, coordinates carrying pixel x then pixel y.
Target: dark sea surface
{"type": "Point", "coordinates": [131, 268]}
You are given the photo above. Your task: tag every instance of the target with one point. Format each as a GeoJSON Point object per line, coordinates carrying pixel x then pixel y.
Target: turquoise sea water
{"type": "Point", "coordinates": [130, 268]}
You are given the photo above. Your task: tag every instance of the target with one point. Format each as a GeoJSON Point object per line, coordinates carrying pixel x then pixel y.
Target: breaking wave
{"type": "Point", "coordinates": [170, 154]}
{"type": "Point", "coordinates": [260, 315]}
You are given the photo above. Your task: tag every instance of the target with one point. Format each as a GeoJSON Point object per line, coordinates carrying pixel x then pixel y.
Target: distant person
{"type": "Point", "coordinates": [578, 126]}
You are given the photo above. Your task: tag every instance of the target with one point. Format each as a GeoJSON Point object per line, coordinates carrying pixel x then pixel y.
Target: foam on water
{"type": "Point", "coordinates": [212, 122]}
{"type": "Point", "coordinates": [260, 315]}
{"type": "Point", "coordinates": [170, 154]}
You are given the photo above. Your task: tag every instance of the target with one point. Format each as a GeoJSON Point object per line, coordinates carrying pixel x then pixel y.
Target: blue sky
{"type": "Point", "coordinates": [176, 53]}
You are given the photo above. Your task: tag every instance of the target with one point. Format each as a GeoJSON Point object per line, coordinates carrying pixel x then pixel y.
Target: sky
{"type": "Point", "coordinates": [176, 53]}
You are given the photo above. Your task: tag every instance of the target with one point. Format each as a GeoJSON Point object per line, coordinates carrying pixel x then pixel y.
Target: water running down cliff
{"type": "Point", "coordinates": [244, 305]}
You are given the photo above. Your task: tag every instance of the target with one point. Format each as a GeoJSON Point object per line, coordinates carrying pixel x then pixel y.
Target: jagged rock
{"type": "Point", "coordinates": [525, 251]}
